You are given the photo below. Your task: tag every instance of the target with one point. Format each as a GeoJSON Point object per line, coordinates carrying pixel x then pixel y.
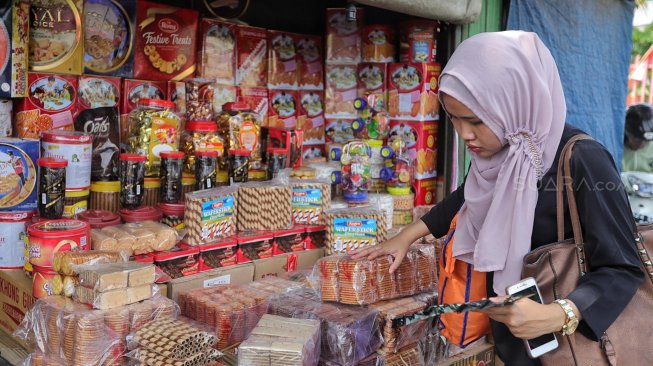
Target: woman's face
{"type": "Point", "coordinates": [478, 137]}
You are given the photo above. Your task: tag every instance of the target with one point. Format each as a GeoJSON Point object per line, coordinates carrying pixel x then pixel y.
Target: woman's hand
{"type": "Point", "coordinates": [397, 247]}
{"type": "Point", "coordinates": [528, 319]}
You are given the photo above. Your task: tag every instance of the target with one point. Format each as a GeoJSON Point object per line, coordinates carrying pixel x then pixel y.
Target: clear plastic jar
{"type": "Point", "coordinates": [105, 196]}
{"type": "Point", "coordinates": [132, 180]}
{"type": "Point", "coordinates": [153, 128]}
{"type": "Point", "coordinates": [399, 170]}
{"type": "Point", "coordinates": [239, 165]}
{"type": "Point", "coordinates": [52, 187]}
{"type": "Point", "coordinates": [354, 175]}
{"type": "Point", "coordinates": [241, 126]}
{"type": "Point", "coordinates": [200, 136]}
{"type": "Point", "coordinates": [206, 165]}
{"type": "Point", "coordinates": [171, 171]}
{"type": "Point", "coordinates": [173, 214]}
{"type": "Point", "coordinates": [373, 120]}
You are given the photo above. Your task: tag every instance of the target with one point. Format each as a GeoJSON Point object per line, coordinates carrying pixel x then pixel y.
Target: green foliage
{"type": "Point", "coordinates": [642, 40]}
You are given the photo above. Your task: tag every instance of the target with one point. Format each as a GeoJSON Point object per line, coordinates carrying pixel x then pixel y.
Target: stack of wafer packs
{"type": "Point", "coordinates": [65, 263]}
{"type": "Point", "coordinates": [232, 311]}
{"type": "Point", "coordinates": [68, 331]}
{"type": "Point", "coordinates": [353, 228]}
{"type": "Point", "coordinates": [349, 333]}
{"type": "Point", "coordinates": [310, 200]}
{"type": "Point", "coordinates": [397, 337]}
{"type": "Point", "coordinates": [109, 286]}
{"type": "Point", "coordinates": [365, 282]}
{"type": "Point", "coordinates": [264, 206]}
{"type": "Point", "coordinates": [134, 237]}
{"type": "Point", "coordinates": [210, 215]}
{"type": "Point", "coordinates": [279, 341]}
{"type": "Point", "coordinates": [173, 342]}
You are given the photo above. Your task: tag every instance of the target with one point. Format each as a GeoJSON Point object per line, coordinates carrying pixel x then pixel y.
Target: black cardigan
{"type": "Point", "coordinates": [614, 272]}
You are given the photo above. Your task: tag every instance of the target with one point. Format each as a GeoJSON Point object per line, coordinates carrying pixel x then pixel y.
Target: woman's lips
{"type": "Point", "coordinates": [474, 149]}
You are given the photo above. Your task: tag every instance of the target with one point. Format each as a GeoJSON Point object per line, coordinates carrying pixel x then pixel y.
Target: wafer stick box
{"type": "Point", "coordinates": [165, 42]}
{"type": "Point", "coordinates": [56, 42]}
{"type": "Point", "coordinates": [210, 215]}
{"type": "Point", "coordinates": [412, 91]}
{"type": "Point", "coordinates": [311, 116]}
{"type": "Point", "coordinates": [421, 143]}
{"type": "Point", "coordinates": [251, 56]}
{"type": "Point", "coordinates": [51, 104]}
{"type": "Point", "coordinates": [310, 65]}
{"type": "Point", "coordinates": [14, 38]}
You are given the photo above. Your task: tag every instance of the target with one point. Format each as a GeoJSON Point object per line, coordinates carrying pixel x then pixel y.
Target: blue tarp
{"type": "Point", "coordinates": [591, 42]}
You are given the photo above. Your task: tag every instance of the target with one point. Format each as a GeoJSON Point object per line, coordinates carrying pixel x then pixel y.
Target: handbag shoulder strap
{"type": "Point", "coordinates": [563, 178]}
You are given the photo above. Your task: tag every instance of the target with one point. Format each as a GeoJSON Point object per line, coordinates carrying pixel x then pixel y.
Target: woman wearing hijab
{"type": "Point", "coordinates": [503, 95]}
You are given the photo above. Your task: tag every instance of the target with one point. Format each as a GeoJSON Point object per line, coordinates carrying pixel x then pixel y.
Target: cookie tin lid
{"type": "Point", "coordinates": [99, 218]}
{"type": "Point", "coordinates": [58, 228]}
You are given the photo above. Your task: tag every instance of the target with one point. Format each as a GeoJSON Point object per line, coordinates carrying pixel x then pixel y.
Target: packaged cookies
{"type": "Point", "coordinates": [378, 43]}
{"type": "Point", "coordinates": [343, 43]}
{"type": "Point", "coordinates": [257, 98]}
{"type": "Point", "coordinates": [251, 57]}
{"type": "Point", "coordinates": [311, 116]}
{"type": "Point", "coordinates": [310, 200]}
{"type": "Point", "coordinates": [165, 42]}
{"type": "Point", "coordinates": [282, 62]}
{"type": "Point", "coordinates": [217, 51]}
{"type": "Point", "coordinates": [353, 228]}
{"type": "Point", "coordinates": [420, 140]}
{"type": "Point", "coordinates": [109, 37]}
{"type": "Point", "coordinates": [283, 109]}
{"type": "Point", "coordinates": [341, 83]}
{"type": "Point", "coordinates": [51, 104]}
{"type": "Point", "coordinates": [309, 62]}
{"type": "Point", "coordinates": [412, 91]}
{"type": "Point", "coordinates": [18, 190]}
{"type": "Point", "coordinates": [56, 36]}
{"type": "Point", "coordinates": [14, 15]}
{"type": "Point", "coordinates": [372, 81]}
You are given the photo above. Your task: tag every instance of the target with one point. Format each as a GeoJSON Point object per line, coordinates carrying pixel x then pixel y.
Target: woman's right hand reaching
{"type": "Point", "coordinates": [396, 247]}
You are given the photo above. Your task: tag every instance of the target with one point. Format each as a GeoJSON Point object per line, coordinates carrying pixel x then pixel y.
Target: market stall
{"type": "Point", "coordinates": [162, 170]}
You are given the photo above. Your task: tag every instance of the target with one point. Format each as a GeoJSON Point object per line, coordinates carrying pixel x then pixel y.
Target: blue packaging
{"type": "Point", "coordinates": [18, 174]}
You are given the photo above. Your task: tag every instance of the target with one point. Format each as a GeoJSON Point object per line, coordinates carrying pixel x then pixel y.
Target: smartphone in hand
{"type": "Point", "coordinates": [535, 347]}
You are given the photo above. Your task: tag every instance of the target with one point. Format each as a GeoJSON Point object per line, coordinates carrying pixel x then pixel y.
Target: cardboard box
{"type": "Point", "coordinates": [309, 62]}
{"type": "Point", "coordinates": [251, 57]}
{"type": "Point", "coordinates": [412, 91]}
{"type": "Point", "coordinates": [341, 91]}
{"type": "Point", "coordinates": [283, 109]}
{"type": "Point", "coordinates": [166, 42]}
{"type": "Point", "coordinates": [98, 91]}
{"type": "Point", "coordinates": [421, 144]}
{"type": "Point", "coordinates": [56, 37]}
{"type": "Point", "coordinates": [480, 355]}
{"type": "Point", "coordinates": [339, 131]}
{"type": "Point", "coordinates": [307, 258]}
{"type": "Point", "coordinates": [274, 266]}
{"type": "Point", "coordinates": [372, 81]}
{"type": "Point", "coordinates": [418, 40]}
{"type": "Point", "coordinates": [237, 275]}
{"type": "Point", "coordinates": [109, 37]}
{"type": "Point", "coordinates": [343, 42]}
{"type": "Point", "coordinates": [216, 57]}
{"type": "Point", "coordinates": [311, 116]}
{"type": "Point", "coordinates": [133, 90]}
{"type": "Point", "coordinates": [14, 36]}
{"type": "Point", "coordinates": [282, 61]}
{"type": "Point", "coordinates": [378, 43]}
{"type": "Point", "coordinates": [257, 98]}
{"type": "Point", "coordinates": [425, 192]}
{"type": "Point", "coordinates": [16, 298]}
{"type": "Point", "coordinates": [51, 104]}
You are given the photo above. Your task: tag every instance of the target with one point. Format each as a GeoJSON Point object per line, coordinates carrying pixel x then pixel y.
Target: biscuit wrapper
{"type": "Point", "coordinates": [106, 277]}
{"type": "Point", "coordinates": [349, 333]}
{"type": "Point", "coordinates": [341, 279]}
{"type": "Point", "coordinates": [277, 340]}
{"type": "Point", "coordinates": [65, 262]}
{"type": "Point", "coordinates": [310, 200]}
{"type": "Point", "coordinates": [397, 337]}
{"type": "Point", "coordinates": [232, 311]}
{"type": "Point", "coordinates": [137, 237]}
{"type": "Point", "coordinates": [353, 228]}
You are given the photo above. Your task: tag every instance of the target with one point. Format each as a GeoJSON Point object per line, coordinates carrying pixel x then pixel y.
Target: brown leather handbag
{"type": "Point", "coordinates": [557, 267]}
